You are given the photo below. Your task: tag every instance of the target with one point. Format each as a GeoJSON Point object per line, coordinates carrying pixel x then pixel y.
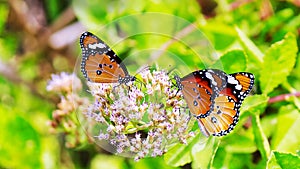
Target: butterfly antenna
{"type": "Point", "coordinates": [143, 68]}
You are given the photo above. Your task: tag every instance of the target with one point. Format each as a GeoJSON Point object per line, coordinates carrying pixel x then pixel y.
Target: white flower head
{"type": "Point", "coordinates": [141, 118]}
{"type": "Point", "coordinates": [64, 82]}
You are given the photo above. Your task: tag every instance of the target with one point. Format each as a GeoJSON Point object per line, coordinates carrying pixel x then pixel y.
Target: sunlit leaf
{"type": "Point", "coordinates": [280, 160]}
{"type": "Point", "coordinates": [278, 63]}
{"type": "Point", "coordinates": [244, 145]}
{"type": "Point", "coordinates": [203, 154]}
{"type": "Point", "coordinates": [200, 150]}
{"type": "Point", "coordinates": [233, 61]}
{"type": "Point", "coordinates": [254, 103]}
{"type": "Point", "coordinates": [180, 154]}
{"type": "Point", "coordinates": [151, 163]}
{"type": "Point", "coordinates": [107, 161]}
{"type": "Point", "coordinates": [287, 135]}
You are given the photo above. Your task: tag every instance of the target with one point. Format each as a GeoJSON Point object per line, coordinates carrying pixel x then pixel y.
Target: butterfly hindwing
{"type": "Point", "coordinates": [223, 117]}
{"type": "Point", "coordinates": [100, 63]}
{"type": "Point", "coordinates": [225, 113]}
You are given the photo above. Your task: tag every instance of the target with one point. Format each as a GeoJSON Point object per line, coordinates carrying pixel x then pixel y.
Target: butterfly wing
{"type": "Point", "coordinates": [225, 112]}
{"type": "Point", "coordinates": [99, 63]}
{"type": "Point", "coordinates": [200, 89]}
{"type": "Point", "coordinates": [198, 98]}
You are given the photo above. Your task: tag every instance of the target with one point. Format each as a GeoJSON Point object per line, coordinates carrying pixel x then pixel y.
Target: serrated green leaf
{"type": "Point", "coordinates": [278, 63]}
{"type": "Point", "coordinates": [287, 135]}
{"type": "Point", "coordinates": [260, 138]}
{"type": "Point", "coordinates": [280, 160]}
{"type": "Point", "coordinates": [233, 61]}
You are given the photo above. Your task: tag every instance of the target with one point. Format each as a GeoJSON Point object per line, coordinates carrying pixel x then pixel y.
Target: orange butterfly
{"type": "Point", "coordinates": [99, 63]}
{"type": "Point", "coordinates": [215, 98]}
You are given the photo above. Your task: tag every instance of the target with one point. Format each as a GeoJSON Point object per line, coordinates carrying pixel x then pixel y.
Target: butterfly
{"type": "Point", "coordinates": [215, 98]}
{"type": "Point", "coordinates": [99, 63]}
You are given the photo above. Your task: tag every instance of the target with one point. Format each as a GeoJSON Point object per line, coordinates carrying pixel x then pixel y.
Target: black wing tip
{"type": "Point", "coordinates": [87, 33]}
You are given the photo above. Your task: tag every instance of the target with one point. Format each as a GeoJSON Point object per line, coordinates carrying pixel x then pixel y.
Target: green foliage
{"type": "Point", "coordinates": [237, 60]}
{"type": "Point", "coordinates": [248, 37]}
{"type": "Point", "coordinates": [200, 151]}
{"type": "Point", "coordinates": [286, 137]}
{"type": "Point", "coordinates": [283, 160]}
{"type": "Point", "coordinates": [278, 63]}
{"type": "Point", "coordinates": [260, 138]}
{"type": "Point", "coordinates": [19, 141]}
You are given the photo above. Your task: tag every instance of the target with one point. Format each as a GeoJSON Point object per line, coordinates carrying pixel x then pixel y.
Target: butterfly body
{"type": "Point", "coordinates": [215, 98]}
{"type": "Point", "coordinates": [99, 63]}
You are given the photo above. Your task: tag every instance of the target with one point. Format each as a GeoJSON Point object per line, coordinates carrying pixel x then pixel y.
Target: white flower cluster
{"type": "Point", "coordinates": [64, 117]}
{"type": "Point", "coordinates": [64, 82]}
{"type": "Point", "coordinates": [141, 118]}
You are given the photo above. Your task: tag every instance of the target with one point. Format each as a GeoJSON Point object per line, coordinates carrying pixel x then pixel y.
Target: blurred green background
{"type": "Point", "coordinates": [38, 38]}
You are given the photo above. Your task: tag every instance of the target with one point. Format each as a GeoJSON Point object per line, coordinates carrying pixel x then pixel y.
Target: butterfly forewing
{"type": "Point", "coordinates": [197, 98]}
{"type": "Point", "coordinates": [99, 63]}
{"type": "Point", "coordinates": [200, 88]}
{"type": "Point", "coordinates": [239, 85]}
{"type": "Point", "coordinates": [99, 69]}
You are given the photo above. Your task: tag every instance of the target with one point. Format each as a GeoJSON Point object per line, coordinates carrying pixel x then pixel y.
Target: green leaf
{"type": "Point", "coordinates": [255, 103]}
{"type": "Point", "coordinates": [280, 160]}
{"type": "Point", "coordinates": [260, 138]}
{"type": "Point", "coordinates": [221, 35]}
{"type": "Point", "coordinates": [225, 159]}
{"type": "Point", "coordinates": [149, 163]}
{"type": "Point", "coordinates": [203, 154]}
{"type": "Point", "coordinates": [107, 161]}
{"type": "Point", "coordinates": [278, 63]}
{"type": "Point", "coordinates": [233, 61]}
{"type": "Point", "coordinates": [180, 155]}
{"type": "Point", "coordinates": [244, 145]}
{"type": "Point", "coordinates": [287, 135]}
{"type": "Point", "coordinates": [200, 151]}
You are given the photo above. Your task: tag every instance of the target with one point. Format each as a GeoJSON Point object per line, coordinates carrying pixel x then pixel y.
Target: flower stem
{"type": "Point", "coordinates": [283, 97]}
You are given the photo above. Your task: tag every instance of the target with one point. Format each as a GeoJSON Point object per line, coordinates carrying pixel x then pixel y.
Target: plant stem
{"type": "Point", "coordinates": [283, 97]}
